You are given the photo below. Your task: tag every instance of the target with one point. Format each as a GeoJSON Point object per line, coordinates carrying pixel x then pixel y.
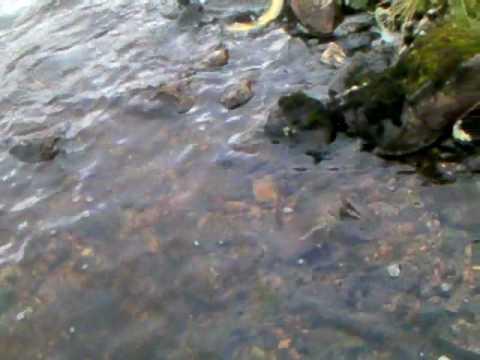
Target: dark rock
{"type": "Point", "coordinates": [37, 147]}
{"type": "Point", "coordinates": [424, 122]}
{"type": "Point", "coordinates": [237, 95]}
{"type": "Point", "coordinates": [357, 5]}
{"type": "Point", "coordinates": [375, 62]}
{"type": "Point", "coordinates": [354, 24]}
{"type": "Point", "coordinates": [319, 93]}
{"type": "Point", "coordinates": [349, 210]}
{"type": "Point", "coordinates": [357, 41]}
{"type": "Point", "coordinates": [295, 112]}
{"type": "Point", "coordinates": [320, 17]}
{"type": "Point", "coordinates": [473, 164]}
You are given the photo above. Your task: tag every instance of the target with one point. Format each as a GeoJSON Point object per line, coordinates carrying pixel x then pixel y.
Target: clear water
{"type": "Point", "coordinates": [165, 235]}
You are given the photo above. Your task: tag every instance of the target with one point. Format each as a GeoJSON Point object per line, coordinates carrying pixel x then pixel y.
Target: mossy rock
{"type": "Point", "coordinates": [414, 103]}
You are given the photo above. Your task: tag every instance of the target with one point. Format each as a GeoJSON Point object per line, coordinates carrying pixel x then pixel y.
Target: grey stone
{"type": "Point", "coordinates": [393, 270]}
{"type": "Point", "coordinates": [357, 41]}
{"type": "Point", "coordinates": [37, 146]}
{"type": "Point", "coordinates": [357, 5]}
{"type": "Point", "coordinates": [354, 24]}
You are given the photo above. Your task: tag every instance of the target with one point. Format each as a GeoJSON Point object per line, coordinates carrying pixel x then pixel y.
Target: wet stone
{"type": "Point", "coordinates": [218, 57]}
{"type": "Point", "coordinates": [473, 164]}
{"type": "Point", "coordinates": [298, 111]}
{"type": "Point", "coordinates": [357, 41]}
{"type": "Point", "coordinates": [333, 55]}
{"type": "Point", "coordinates": [237, 95]}
{"type": "Point", "coordinates": [393, 270]}
{"type": "Point", "coordinates": [320, 17]}
{"type": "Point", "coordinates": [175, 93]}
{"type": "Point", "coordinates": [375, 61]}
{"type": "Point", "coordinates": [354, 24]}
{"type": "Point", "coordinates": [357, 5]}
{"type": "Point", "coordinates": [36, 149]}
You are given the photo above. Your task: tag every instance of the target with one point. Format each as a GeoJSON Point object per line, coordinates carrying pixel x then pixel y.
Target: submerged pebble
{"type": "Point", "coordinates": [394, 270]}
{"type": "Point", "coordinates": [237, 95]}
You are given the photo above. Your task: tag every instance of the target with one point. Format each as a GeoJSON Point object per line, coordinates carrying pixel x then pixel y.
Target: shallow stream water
{"type": "Point", "coordinates": [163, 234]}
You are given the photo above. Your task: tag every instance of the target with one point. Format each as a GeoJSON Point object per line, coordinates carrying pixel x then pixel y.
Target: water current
{"type": "Point", "coordinates": [159, 233]}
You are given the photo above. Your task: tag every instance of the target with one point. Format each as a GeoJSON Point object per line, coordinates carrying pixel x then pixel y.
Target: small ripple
{"type": "Point", "coordinates": [64, 221]}
{"type": "Point", "coordinates": [31, 201]}
{"type": "Point", "coordinates": [13, 251]}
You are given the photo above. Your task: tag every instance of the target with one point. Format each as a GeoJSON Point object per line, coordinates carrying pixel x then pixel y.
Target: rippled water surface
{"type": "Point", "coordinates": [159, 233]}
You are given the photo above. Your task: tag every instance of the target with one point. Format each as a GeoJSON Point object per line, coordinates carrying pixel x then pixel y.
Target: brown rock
{"type": "Point", "coordinates": [237, 95]}
{"type": "Point", "coordinates": [217, 58]}
{"type": "Point", "coordinates": [265, 190]}
{"type": "Point", "coordinates": [333, 55]}
{"type": "Point", "coordinates": [176, 93]}
{"type": "Point", "coordinates": [320, 16]}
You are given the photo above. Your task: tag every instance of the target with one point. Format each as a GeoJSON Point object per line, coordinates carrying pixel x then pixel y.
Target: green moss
{"type": "Point", "coordinates": [303, 112]}
{"type": "Point", "coordinates": [435, 56]}
{"type": "Point", "coordinates": [431, 61]}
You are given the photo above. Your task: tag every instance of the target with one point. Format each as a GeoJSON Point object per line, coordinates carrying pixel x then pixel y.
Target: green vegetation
{"type": "Point", "coordinates": [435, 56]}
{"type": "Point", "coordinates": [432, 60]}
{"type": "Point", "coordinates": [407, 9]}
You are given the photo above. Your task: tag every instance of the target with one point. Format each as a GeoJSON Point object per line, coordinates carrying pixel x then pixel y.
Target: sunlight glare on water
{"type": "Point", "coordinates": [13, 8]}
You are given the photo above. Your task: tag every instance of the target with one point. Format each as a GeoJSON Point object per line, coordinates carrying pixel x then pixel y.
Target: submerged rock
{"type": "Point", "coordinates": [36, 147]}
{"type": "Point", "coordinates": [216, 58]}
{"type": "Point", "coordinates": [237, 94]}
{"type": "Point", "coordinates": [358, 41]}
{"type": "Point", "coordinates": [374, 62]}
{"type": "Point", "coordinates": [394, 270]}
{"type": "Point", "coordinates": [176, 94]}
{"type": "Point", "coordinates": [354, 33]}
{"type": "Point", "coordinates": [357, 5]}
